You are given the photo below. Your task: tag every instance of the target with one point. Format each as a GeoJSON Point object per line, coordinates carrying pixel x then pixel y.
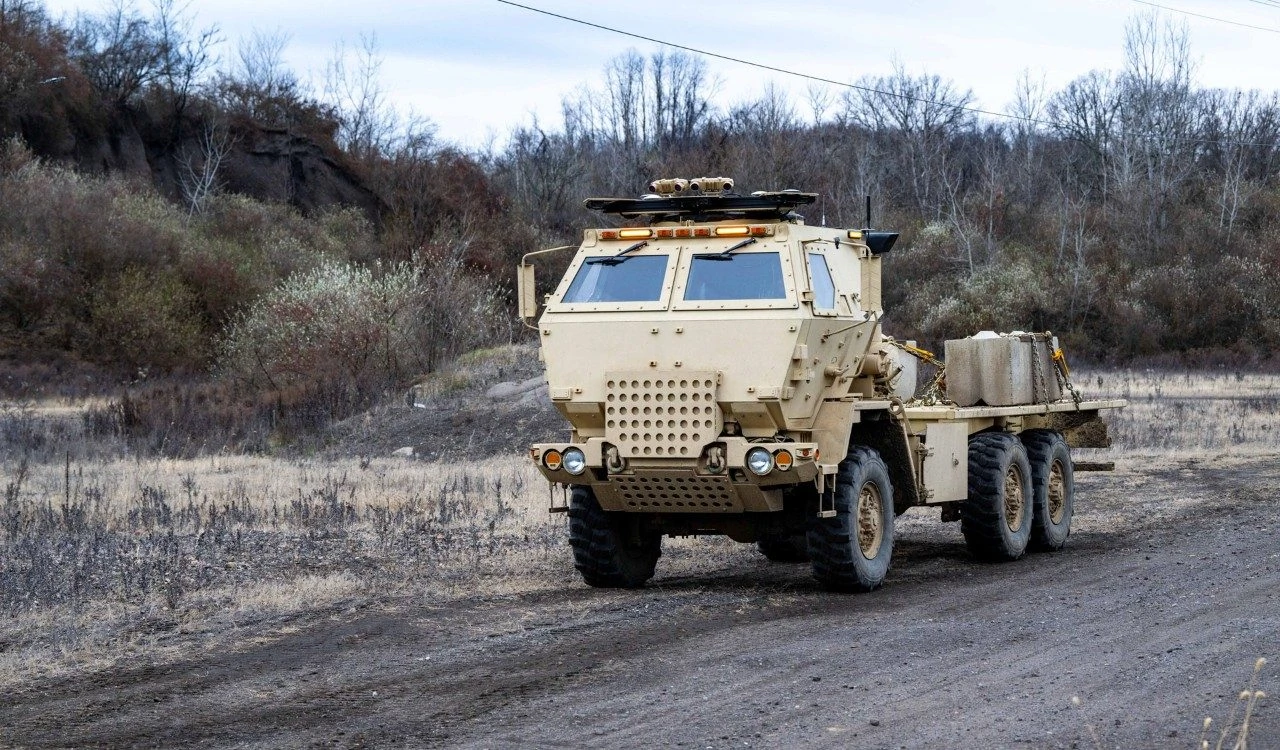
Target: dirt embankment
{"type": "Point", "coordinates": [489, 403]}
{"type": "Point", "coordinates": [1153, 616]}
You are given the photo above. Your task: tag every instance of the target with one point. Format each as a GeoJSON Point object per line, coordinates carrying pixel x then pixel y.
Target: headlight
{"type": "Point", "coordinates": [574, 461]}
{"type": "Point", "coordinates": [759, 461]}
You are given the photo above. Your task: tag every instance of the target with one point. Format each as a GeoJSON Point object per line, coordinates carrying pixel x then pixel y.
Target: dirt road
{"type": "Point", "coordinates": [1153, 616]}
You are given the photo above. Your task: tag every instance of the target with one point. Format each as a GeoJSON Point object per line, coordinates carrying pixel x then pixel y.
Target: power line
{"type": "Point", "coordinates": [771, 68]}
{"type": "Point", "coordinates": [854, 86]}
{"type": "Point", "coordinates": [1210, 18]}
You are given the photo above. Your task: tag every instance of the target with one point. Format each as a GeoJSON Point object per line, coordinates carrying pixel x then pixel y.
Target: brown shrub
{"type": "Point", "coordinates": [147, 319]}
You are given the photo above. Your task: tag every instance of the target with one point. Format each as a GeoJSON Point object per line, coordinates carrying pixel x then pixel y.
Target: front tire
{"type": "Point", "coordinates": [996, 518]}
{"type": "Point", "coordinates": [1053, 489]}
{"type": "Point", "coordinates": [853, 550]}
{"type": "Point", "coordinates": [608, 550]}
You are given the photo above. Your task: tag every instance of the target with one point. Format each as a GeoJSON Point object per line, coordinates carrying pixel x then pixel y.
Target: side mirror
{"type": "Point", "coordinates": [880, 242]}
{"type": "Point", "coordinates": [526, 289]}
{"type": "Point", "coordinates": [526, 292]}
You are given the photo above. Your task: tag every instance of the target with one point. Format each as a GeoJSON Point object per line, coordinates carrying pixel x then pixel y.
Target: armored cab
{"type": "Point", "coordinates": [723, 370]}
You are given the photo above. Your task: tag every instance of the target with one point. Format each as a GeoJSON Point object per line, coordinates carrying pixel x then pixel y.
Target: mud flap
{"type": "Point", "coordinates": [888, 436]}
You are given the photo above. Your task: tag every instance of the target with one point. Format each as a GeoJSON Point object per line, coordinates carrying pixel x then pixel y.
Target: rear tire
{"type": "Point", "coordinates": [608, 550]}
{"type": "Point", "coordinates": [785, 549]}
{"type": "Point", "coordinates": [996, 517]}
{"type": "Point", "coordinates": [1053, 489]}
{"type": "Point", "coordinates": [853, 551]}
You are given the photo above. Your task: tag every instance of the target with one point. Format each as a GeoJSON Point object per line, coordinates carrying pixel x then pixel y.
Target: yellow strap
{"type": "Point", "coordinates": [1061, 359]}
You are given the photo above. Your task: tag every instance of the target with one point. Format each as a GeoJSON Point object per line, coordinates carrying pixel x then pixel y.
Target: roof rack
{"type": "Point", "coordinates": [704, 207]}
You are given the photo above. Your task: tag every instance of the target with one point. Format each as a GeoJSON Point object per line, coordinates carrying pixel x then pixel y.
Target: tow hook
{"type": "Point", "coordinates": [715, 459]}
{"type": "Point", "coordinates": [613, 460]}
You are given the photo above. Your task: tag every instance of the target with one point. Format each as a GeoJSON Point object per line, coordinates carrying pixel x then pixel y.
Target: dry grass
{"type": "Point", "coordinates": [103, 558]}
{"type": "Point", "coordinates": [1234, 734]}
{"type": "Point", "coordinates": [1186, 412]}
{"type": "Point", "coordinates": [96, 557]}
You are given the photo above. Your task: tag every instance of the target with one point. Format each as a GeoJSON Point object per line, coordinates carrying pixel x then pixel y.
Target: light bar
{"type": "Point", "coordinates": [738, 231]}
{"type": "Point", "coordinates": [635, 234]}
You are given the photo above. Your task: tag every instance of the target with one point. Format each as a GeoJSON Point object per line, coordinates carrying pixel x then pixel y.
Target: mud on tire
{"type": "Point", "coordinates": [996, 517]}
{"type": "Point", "coordinates": [1053, 488]}
{"type": "Point", "coordinates": [852, 551]}
{"type": "Point", "coordinates": [607, 551]}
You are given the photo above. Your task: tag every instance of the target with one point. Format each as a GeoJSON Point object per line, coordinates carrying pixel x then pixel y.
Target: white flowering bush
{"type": "Point", "coordinates": [361, 328]}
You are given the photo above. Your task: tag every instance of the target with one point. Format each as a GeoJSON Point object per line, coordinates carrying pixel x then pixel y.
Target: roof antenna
{"type": "Point", "coordinates": [868, 212]}
{"type": "Point", "coordinates": [824, 210]}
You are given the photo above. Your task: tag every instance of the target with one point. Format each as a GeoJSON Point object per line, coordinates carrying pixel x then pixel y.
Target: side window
{"type": "Point", "coordinates": [824, 289]}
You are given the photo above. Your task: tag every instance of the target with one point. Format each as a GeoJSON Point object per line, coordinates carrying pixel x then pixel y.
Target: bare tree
{"type": "Point", "coordinates": [367, 124]}
{"type": "Point", "coordinates": [924, 114]}
{"type": "Point", "coordinates": [1086, 115]}
{"type": "Point", "coordinates": [118, 52]}
{"type": "Point", "coordinates": [1238, 126]}
{"type": "Point", "coordinates": [1156, 150]}
{"type": "Point", "coordinates": [259, 84]}
{"type": "Point", "coordinates": [186, 53]}
{"type": "Point", "coordinates": [1027, 136]}
{"type": "Point", "coordinates": [198, 168]}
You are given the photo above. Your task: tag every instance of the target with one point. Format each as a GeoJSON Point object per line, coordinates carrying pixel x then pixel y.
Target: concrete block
{"type": "Point", "coordinates": [1001, 370]}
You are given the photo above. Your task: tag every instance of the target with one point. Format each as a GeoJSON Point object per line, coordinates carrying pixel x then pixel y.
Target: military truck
{"type": "Point", "coordinates": [723, 368]}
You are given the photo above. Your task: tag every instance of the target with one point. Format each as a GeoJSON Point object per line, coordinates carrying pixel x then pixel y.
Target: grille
{"type": "Point", "coordinates": [675, 492]}
{"type": "Point", "coordinates": [661, 414]}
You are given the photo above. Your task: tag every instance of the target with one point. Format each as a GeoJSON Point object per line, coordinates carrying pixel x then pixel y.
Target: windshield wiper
{"type": "Point", "coordinates": [613, 260]}
{"type": "Point", "coordinates": [724, 255]}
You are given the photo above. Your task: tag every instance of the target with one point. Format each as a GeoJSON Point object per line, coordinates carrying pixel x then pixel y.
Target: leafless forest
{"type": "Point", "coordinates": [1132, 212]}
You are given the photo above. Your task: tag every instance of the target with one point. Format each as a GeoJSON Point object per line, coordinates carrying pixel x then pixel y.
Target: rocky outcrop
{"type": "Point", "coordinates": [281, 165]}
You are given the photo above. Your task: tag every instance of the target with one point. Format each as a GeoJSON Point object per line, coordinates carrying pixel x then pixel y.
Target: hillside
{"type": "Point", "coordinates": [489, 402]}
{"type": "Point", "coordinates": [236, 258]}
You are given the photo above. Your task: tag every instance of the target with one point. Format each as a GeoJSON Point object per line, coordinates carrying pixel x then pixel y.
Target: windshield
{"type": "Point", "coordinates": [637, 278]}
{"type": "Point", "coordinates": [734, 277]}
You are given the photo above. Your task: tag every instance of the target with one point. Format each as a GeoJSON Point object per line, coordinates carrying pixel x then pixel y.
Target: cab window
{"type": "Point", "coordinates": [739, 276]}
{"type": "Point", "coordinates": [632, 279]}
{"type": "Point", "coordinates": [824, 289]}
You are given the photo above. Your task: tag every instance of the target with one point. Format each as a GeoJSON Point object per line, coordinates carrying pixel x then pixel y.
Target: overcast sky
{"type": "Point", "coordinates": [478, 68]}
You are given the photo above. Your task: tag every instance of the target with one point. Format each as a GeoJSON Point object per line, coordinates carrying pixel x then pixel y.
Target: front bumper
{"type": "Point", "coordinates": [723, 484]}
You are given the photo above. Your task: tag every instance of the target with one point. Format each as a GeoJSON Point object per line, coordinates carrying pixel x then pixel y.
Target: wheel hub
{"type": "Point", "coordinates": [1014, 506]}
{"type": "Point", "coordinates": [1057, 493]}
{"type": "Point", "coordinates": [870, 521]}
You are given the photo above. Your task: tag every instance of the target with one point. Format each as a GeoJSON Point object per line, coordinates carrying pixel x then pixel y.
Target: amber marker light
{"type": "Point", "coordinates": [608, 234]}
{"type": "Point", "coordinates": [733, 231]}
{"type": "Point", "coordinates": [635, 234]}
{"type": "Point", "coordinates": [855, 234]}
{"type": "Point", "coordinates": [551, 459]}
{"type": "Point", "coordinates": [782, 459]}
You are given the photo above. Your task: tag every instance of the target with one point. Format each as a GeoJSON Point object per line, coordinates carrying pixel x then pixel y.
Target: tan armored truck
{"type": "Point", "coordinates": [723, 369]}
